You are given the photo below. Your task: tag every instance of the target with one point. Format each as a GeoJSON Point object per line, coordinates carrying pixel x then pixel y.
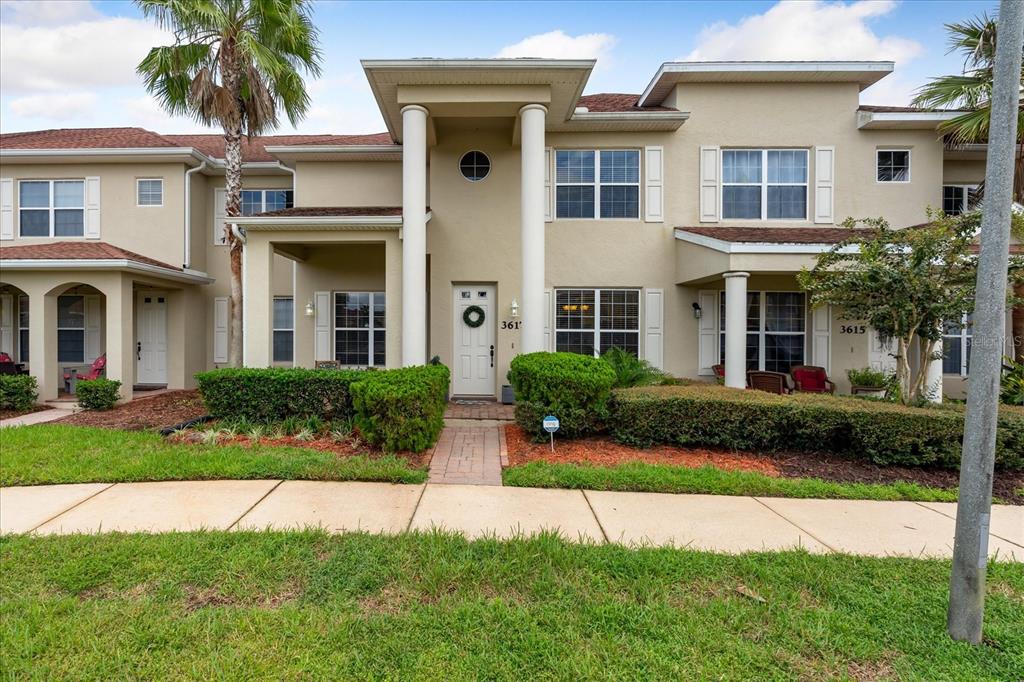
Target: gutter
{"type": "Point", "coordinates": [188, 213]}
{"type": "Point", "coordinates": [105, 264]}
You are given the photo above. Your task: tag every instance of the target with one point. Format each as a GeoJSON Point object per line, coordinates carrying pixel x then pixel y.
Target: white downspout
{"type": "Point", "coordinates": [188, 214]}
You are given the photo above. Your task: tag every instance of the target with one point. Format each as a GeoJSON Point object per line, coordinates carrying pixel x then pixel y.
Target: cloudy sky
{"type": "Point", "coordinates": [71, 63]}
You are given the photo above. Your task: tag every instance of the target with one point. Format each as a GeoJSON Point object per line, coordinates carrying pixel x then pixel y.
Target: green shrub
{"type": "Point", "coordinates": [885, 433]}
{"type": "Point", "coordinates": [401, 409]}
{"type": "Point", "coordinates": [273, 394]}
{"type": "Point", "coordinates": [868, 377]}
{"type": "Point", "coordinates": [98, 394]}
{"type": "Point", "coordinates": [574, 388]}
{"type": "Point", "coordinates": [630, 370]}
{"type": "Point", "coordinates": [17, 391]}
{"type": "Point", "coordinates": [1012, 386]}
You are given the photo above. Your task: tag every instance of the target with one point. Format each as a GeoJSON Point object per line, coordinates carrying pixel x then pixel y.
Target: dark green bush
{"type": "Point", "coordinates": [272, 394]}
{"type": "Point", "coordinates": [97, 394]}
{"type": "Point", "coordinates": [401, 409]}
{"type": "Point", "coordinates": [885, 433]}
{"type": "Point", "coordinates": [17, 391]}
{"type": "Point", "coordinates": [574, 388]}
{"type": "Point", "coordinates": [632, 371]}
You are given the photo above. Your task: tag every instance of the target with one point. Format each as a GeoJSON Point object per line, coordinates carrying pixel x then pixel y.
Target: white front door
{"type": "Point", "coordinates": [151, 338]}
{"type": "Point", "coordinates": [473, 371]}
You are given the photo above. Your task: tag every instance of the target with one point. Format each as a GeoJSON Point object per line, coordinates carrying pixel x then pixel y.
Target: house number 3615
{"type": "Point", "coordinates": [852, 329]}
{"type": "Point", "coordinates": [510, 324]}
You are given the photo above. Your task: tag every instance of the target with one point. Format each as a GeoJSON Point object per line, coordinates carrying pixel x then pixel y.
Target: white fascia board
{"type": "Point", "coordinates": [194, 276]}
{"type": "Point", "coordinates": [335, 149]}
{"type": "Point", "coordinates": [271, 222]}
{"type": "Point", "coordinates": [475, 63]}
{"type": "Point", "coordinates": [755, 247]}
{"type": "Point", "coordinates": [106, 152]}
{"type": "Point", "coordinates": [882, 119]}
{"type": "Point", "coordinates": [583, 116]}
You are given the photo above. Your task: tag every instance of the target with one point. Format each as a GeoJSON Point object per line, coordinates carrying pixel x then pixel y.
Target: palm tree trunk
{"type": "Point", "coordinates": [233, 199]}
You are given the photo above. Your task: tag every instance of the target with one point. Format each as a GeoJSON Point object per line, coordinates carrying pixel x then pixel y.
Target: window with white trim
{"type": "Point", "coordinates": [956, 345]}
{"type": "Point", "coordinates": [284, 329]}
{"type": "Point", "coordinates": [359, 328]}
{"type": "Point", "coordinates": [957, 199]}
{"type": "Point", "coordinates": [51, 208]}
{"type": "Point", "coordinates": [23, 339]}
{"type": "Point", "coordinates": [597, 183]}
{"type": "Point", "coordinates": [262, 200]}
{"type": "Point", "coordinates": [892, 165]}
{"type": "Point", "coordinates": [149, 192]}
{"type": "Point", "coordinates": [71, 329]}
{"type": "Point", "coordinates": [590, 321]}
{"type": "Point", "coordinates": [776, 329]}
{"type": "Point", "coordinates": [764, 184]}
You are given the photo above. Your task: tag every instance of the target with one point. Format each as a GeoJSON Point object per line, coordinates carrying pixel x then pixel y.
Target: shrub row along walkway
{"type": "Point", "coordinates": [471, 448]}
{"type": "Point", "coordinates": [707, 522]}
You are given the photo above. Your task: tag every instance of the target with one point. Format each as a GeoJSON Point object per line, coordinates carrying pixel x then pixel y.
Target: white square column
{"type": "Point", "coordinates": [531, 130]}
{"type": "Point", "coordinates": [736, 329]}
{"type": "Point", "coordinates": [414, 236]}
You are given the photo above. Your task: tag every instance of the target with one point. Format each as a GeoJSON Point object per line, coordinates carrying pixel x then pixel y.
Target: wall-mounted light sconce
{"type": "Point", "coordinates": [696, 310]}
{"type": "Point", "coordinates": [310, 309]}
{"type": "Point", "coordinates": [515, 308]}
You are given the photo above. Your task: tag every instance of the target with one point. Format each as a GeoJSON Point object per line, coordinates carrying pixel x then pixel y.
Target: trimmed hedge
{"type": "Point", "coordinates": [17, 391]}
{"type": "Point", "coordinates": [273, 394]}
{"type": "Point", "coordinates": [401, 409]}
{"type": "Point", "coordinates": [575, 388]}
{"type": "Point", "coordinates": [98, 394]}
{"type": "Point", "coordinates": [884, 433]}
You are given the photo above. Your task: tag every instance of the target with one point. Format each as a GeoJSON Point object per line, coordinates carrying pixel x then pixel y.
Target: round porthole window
{"type": "Point", "coordinates": [474, 166]}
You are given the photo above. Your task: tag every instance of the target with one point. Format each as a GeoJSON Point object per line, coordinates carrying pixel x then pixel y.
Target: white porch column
{"type": "Point", "coordinates": [414, 235]}
{"type": "Point", "coordinates": [736, 329]}
{"type": "Point", "coordinates": [531, 130]}
{"type": "Point", "coordinates": [933, 379]}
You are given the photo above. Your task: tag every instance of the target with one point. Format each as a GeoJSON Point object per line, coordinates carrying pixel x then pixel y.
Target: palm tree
{"type": "Point", "coordinates": [234, 63]}
{"type": "Point", "coordinates": [971, 92]}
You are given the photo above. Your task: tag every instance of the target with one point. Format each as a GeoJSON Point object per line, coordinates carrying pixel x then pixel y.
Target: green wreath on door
{"type": "Point", "coordinates": [473, 316]}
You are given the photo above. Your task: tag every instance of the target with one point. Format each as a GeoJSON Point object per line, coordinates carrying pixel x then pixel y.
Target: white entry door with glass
{"type": "Point", "coordinates": [151, 339]}
{"type": "Point", "coordinates": [473, 365]}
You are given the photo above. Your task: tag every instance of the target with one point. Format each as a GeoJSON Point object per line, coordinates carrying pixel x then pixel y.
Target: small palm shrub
{"type": "Point", "coordinates": [630, 370]}
{"type": "Point", "coordinates": [1012, 387]}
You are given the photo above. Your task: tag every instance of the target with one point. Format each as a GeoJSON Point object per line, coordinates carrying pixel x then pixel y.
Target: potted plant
{"type": "Point", "coordinates": [868, 382]}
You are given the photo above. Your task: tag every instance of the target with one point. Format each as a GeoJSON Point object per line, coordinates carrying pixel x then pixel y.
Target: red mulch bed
{"type": "Point", "coordinates": [829, 467]}
{"type": "Point", "coordinates": [151, 412]}
{"type": "Point", "coordinates": [8, 414]}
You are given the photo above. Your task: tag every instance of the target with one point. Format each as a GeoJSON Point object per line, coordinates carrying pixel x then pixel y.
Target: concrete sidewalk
{"type": "Point", "coordinates": [707, 522]}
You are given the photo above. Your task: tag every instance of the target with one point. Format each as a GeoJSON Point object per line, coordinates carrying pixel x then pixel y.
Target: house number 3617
{"type": "Point", "coordinates": [852, 329]}
{"type": "Point", "coordinates": [510, 324]}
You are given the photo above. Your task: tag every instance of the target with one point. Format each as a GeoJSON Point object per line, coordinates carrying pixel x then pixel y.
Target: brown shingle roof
{"type": "Point", "coordinates": [85, 138]}
{"type": "Point", "coordinates": [334, 211]}
{"type": "Point", "coordinates": [77, 251]}
{"type": "Point", "coordinates": [256, 149]}
{"type": "Point", "coordinates": [613, 102]}
{"type": "Point", "coordinates": [775, 235]}
{"type": "Point", "coordinates": [370, 139]}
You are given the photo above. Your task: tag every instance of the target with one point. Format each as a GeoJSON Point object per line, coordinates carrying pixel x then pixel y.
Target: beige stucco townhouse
{"type": "Point", "coordinates": [670, 223]}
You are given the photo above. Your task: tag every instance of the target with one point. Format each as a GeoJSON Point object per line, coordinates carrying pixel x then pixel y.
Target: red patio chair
{"type": "Point", "coordinates": [9, 366]}
{"type": "Point", "coordinates": [811, 379]}
{"type": "Point", "coordinates": [719, 371]}
{"type": "Point", "coordinates": [772, 382]}
{"type": "Point", "coordinates": [96, 370]}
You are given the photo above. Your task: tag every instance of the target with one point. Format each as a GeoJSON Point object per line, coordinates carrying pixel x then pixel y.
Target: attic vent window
{"type": "Point", "coordinates": [474, 166]}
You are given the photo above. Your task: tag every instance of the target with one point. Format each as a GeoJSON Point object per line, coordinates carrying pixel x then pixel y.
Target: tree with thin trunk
{"type": "Point", "coordinates": [236, 64]}
{"type": "Point", "coordinates": [971, 92]}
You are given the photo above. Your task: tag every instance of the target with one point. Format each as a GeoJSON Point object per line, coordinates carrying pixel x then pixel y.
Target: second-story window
{"type": "Point", "coordinates": [262, 200]}
{"type": "Point", "coordinates": [957, 199]}
{"type": "Point", "coordinates": [893, 165]}
{"type": "Point", "coordinates": [597, 184]}
{"type": "Point", "coordinates": [51, 208]}
{"type": "Point", "coordinates": [149, 192]}
{"type": "Point", "coordinates": [764, 184]}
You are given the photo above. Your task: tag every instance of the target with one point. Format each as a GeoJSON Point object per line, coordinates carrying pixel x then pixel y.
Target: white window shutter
{"type": "Point", "coordinates": [6, 208]}
{"type": "Point", "coordinates": [654, 191]}
{"type": "Point", "coordinates": [549, 342]}
{"type": "Point", "coordinates": [221, 323]}
{"type": "Point", "coordinates": [821, 337]}
{"type": "Point", "coordinates": [7, 325]}
{"type": "Point", "coordinates": [707, 346]}
{"type": "Point", "coordinates": [220, 212]}
{"type": "Point", "coordinates": [93, 322]}
{"type": "Point", "coordinates": [654, 327]}
{"type": "Point", "coordinates": [92, 208]}
{"type": "Point", "coordinates": [709, 184]}
{"type": "Point", "coordinates": [322, 336]}
{"type": "Point", "coordinates": [549, 198]}
{"type": "Point", "coordinates": [824, 184]}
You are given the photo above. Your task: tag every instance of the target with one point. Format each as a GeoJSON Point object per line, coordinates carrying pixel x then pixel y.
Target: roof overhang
{"type": "Point", "coordinates": [289, 223]}
{"type": "Point", "coordinates": [316, 152]}
{"type": "Point", "coordinates": [904, 120]}
{"type": "Point", "coordinates": [629, 121]}
{"type": "Point", "coordinates": [724, 246]}
{"type": "Point", "coordinates": [187, 155]}
{"type": "Point", "coordinates": [189, 276]}
{"type": "Point", "coordinates": [670, 74]}
{"type": "Point", "coordinates": [563, 78]}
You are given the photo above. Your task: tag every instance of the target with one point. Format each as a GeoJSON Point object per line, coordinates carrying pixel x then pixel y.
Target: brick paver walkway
{"type": "Point", "coordinates": [479, 410]}
{"type": "Point", "coordinates": [468, 455]}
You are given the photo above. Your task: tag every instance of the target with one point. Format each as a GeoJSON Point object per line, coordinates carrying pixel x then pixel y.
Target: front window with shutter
{"type": "Point", "coordinates": [764, 184]}
{"type": "Point", "coordinates": [590, 321]}
{"type": "Point", "coordinates": [51, 208]}
{"type": "Point", "coordinates": [602, 184]}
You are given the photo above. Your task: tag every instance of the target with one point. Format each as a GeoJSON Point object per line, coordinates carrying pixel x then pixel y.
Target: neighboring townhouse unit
{"type": "Point", "coordinates": [502, 212]}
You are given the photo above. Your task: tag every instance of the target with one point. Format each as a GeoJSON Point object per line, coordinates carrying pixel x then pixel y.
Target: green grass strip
{"type": "Point", "coordinates": [661, 478]}
{"type": "Point", "coordinates": [50, 453]}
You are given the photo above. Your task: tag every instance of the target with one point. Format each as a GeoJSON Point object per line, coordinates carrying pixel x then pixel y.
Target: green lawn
{"type": "Point", "coordinates": [661, 478]}
{"type": "Point", "coordinates": [48, 453]}
{"type": "Point", "coordinates": [436, 607]}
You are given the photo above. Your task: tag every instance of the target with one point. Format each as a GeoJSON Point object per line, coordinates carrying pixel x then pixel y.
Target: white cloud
{"type": "Point", "coordinates": [806, 31]}
{"type": "Point", "coordinates": [559, 45]}
{"type": "Point", "coordinates": [57, 107]}
{"type": "Point", "coordinates": [46, 12]}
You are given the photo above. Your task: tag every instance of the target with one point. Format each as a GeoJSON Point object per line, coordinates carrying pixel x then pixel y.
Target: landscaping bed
{"type": "Point", "coordinates": [10, 414]}
{"type": "Point", "coordinates": [152, 412]}
{"type": "Point", "coordinates": [308, 605]}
